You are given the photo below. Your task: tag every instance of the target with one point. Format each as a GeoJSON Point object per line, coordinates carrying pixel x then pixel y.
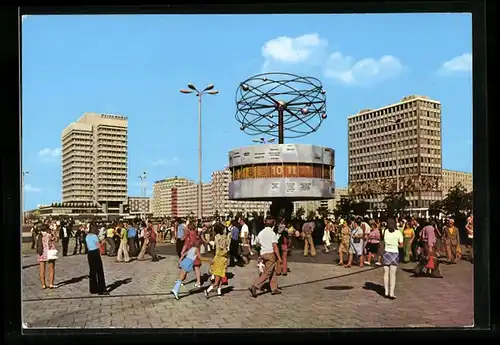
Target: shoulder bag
{"type": "Point", "coordinates": [52, 254]}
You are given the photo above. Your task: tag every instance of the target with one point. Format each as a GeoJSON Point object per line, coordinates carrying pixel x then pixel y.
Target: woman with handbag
{"type": "Point", "coordinates": [47, 255]}
{"type": "Point", "coordinates": [356, 244]}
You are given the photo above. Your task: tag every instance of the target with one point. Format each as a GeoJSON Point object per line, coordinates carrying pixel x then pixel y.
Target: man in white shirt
{"type": "Point", "coordinates": [269, 253]}
{"type": "Point", "coordinates": [245, 238]}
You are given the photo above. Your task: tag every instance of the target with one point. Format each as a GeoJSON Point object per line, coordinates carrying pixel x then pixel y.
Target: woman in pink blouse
{"type": "Point", "coordinates": [45, 242]}
{"type": "Point", "coordinates": [373, 243]}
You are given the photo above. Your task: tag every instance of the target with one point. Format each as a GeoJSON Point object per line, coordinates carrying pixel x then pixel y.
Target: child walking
{"type": "Point", "coordinates": [186, 263]}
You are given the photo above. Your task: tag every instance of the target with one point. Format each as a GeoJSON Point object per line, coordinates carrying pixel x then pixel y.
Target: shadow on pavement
{"type": "Point", "coordinates": [338, 288]}
{"type": "Point", "coordinates": [409, 270]}
{"type": "Point", "coordinates": [72, 280]}
{"type": "Point", "coordinates": [115, 285]}
{"type": "Point", "coordinates": [194, 291]}
{"type": "Point", "coordinates": [28, 266]}
{"type": "Point", "coordinates": [330, 278]}
{"type": "Point", "coordinates": [379, 289]}
{"type": "Point", "coordinates": [321, 257]}
{"type": "Point", "coordinates": [204, 278]}
{"type": "Point", "coordinates": [421, 275]}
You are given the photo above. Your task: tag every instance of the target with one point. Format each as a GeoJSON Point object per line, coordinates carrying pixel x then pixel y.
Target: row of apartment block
{"type": "Point", "coordinates": [405, 136]}
{"type": "Point", "coordinates": [177, 197]}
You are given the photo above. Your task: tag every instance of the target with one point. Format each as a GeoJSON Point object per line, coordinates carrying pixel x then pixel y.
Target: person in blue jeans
{"type": "Point", "coordinates": [186, 263]}
{"type": "Point", "coordinates": [131, 240]}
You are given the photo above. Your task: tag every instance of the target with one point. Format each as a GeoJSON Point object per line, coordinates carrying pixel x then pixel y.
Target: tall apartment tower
{"type": "Point", "coordinates": [165, 196]}
{"type": "Point", "coordinates": [94, 161]}
{"type": "Point", "coordinates": [404, 136]}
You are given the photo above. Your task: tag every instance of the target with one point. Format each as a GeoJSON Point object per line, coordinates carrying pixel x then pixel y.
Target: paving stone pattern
{"type": "Point", "coordinates": [316, 294]}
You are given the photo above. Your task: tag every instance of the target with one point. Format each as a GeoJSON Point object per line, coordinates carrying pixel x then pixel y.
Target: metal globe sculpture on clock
{"type": "Point", "coordinates": [281, 106]}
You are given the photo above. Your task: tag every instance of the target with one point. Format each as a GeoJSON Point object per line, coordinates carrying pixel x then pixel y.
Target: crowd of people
{"type": "Point", "coordinates": [267, 242]}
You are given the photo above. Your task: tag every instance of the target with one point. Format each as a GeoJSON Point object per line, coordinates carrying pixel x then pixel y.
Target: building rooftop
{"type": "Point", "coordinates": [402, 101]}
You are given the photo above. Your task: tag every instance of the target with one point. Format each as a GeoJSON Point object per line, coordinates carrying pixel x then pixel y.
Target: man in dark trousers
{"type": "Point", "coordinates": [34, 235]}
{"type": "Point", "coordinates": [181, 235]}
{"type": "Point", "coordinates": [234, 245]}
{"type": "Point", "coordinates": [78, 241]}
{"type": "Point", "coordinates": [64, 235]}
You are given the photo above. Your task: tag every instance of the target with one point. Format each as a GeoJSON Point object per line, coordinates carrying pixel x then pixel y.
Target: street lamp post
{"type": "Point", "coordinates": [396, 122]}
{"type": "Point", "coordinates": [23, 173]}
{"type": "Point", "coordinates": [144, 187]}
{"type": "Point", "coordinates": [210, 91]}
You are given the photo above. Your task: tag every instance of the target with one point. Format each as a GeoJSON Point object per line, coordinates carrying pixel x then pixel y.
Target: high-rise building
{"type": "Point", "coordinates": [94, 161]}
{"type": "Point", "coordinates": [139, 205]}
{"type": "Point", "coordinates": [451, 178]}
{"type": "Point", "coordinates": [164, 201]}
{"type": "Point", "coordinates": [402, 142]}
{"type": "Point", "coordinates": [177, 197]}
{"type": "Point", "coordinates": [187, 200]}
{"type": "Point", "coordinates": [220, 197]}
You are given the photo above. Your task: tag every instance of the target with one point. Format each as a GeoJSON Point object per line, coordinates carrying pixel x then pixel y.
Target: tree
{"type": "Point", "coordinates": [311, 215]}
{"type": "Point", "coordinates": [323, 212]}
{"type": "Point", "coordinates": [216, 214]}
{"type": "Point", "coordinates": [395, 203]}
{"type": "Point", "coordinates": [343, 208]}
{"type": "Point", "coordinates": [360, 208]}
{"type": "Point", "coordinates": [469, 203]}
{"type": "Point", "coordinates": [436, 208]}
{"type": "Point", "coordinates": [300, 212]}
{"type": "Point", "coordinates": [457, 202]}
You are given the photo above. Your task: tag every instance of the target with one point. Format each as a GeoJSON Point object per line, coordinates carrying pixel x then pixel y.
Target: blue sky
{"type": "Point", "coordinates": [134, 66]}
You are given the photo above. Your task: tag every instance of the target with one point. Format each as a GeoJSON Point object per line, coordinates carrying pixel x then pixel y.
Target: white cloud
{"type": "Point", "coordinates": [48, 154]}
{"type": "Point", "coordinates": [31, 189]}
{"type": "Point", "coordinates": [287, 49]}
{"type": "Point", "coordinates": [165, 162]}
{"type": "Point", "coordinates": [347, 70]}
{"type": "Point", "coordinates": [308, 48]}
{"type": "Point", "coordinates": [458, 64]}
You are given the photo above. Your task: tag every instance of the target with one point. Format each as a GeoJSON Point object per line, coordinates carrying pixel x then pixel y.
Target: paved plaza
{"type": "Point", "coordinates": [316, 294]}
